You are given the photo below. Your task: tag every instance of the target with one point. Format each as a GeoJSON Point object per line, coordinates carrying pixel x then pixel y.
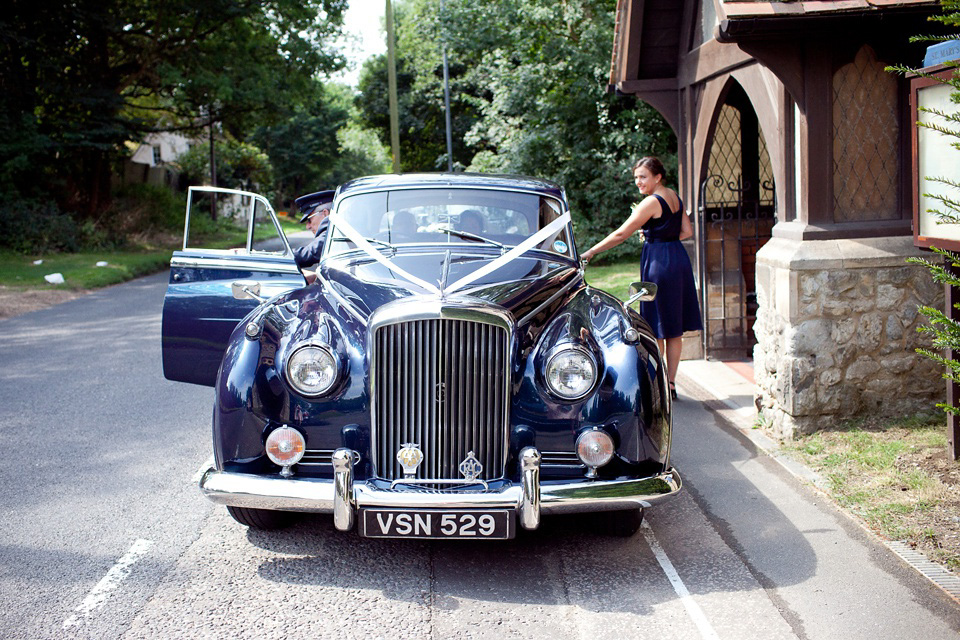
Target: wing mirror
{"type": "Point", "coordinates": [246, 290]}
{"type": "Point", "coordinates": [642, 292]}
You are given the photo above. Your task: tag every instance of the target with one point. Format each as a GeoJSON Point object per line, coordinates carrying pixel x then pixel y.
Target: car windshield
{"type": "Point", "coordinates": [478, 217]}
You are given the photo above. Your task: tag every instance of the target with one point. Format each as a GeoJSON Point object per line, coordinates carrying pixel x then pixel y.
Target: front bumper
{"type": "Point", "coordinates": [343, 497]}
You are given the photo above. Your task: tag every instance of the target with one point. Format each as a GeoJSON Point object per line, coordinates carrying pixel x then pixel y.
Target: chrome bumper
{"type": "Point", "coordinates": [343, 497]}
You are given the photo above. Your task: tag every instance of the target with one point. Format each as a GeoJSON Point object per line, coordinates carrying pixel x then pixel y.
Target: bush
{"type": "Point", "coordinates": [146, 207]}
{"type": "Point", "coordinates": [33, 228]}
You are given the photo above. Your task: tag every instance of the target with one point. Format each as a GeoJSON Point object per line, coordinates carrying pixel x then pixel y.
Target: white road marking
{"type": "Point", "coordinates": [101, 592]}
{"type": "Point", "coordinates": [693, 609]}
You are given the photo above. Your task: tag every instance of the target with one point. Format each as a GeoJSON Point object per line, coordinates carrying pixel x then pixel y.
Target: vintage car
{"type": "Point", "coordinates": [449, 374]}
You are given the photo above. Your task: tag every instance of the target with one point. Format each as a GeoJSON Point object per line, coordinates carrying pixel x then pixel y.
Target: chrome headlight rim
{"type": "Point", "coordinates": [564, 349]}
{"type": "Point", "coordinates": [319, 346]}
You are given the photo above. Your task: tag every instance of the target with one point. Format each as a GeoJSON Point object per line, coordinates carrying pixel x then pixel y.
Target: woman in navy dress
{"type": "Point", "coordinates": [663, 261]}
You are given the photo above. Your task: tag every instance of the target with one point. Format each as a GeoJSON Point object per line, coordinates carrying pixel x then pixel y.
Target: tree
{"type": "Point", "coordinates": [81, 78]}
{"type": "Point", "coordinates": [528, 92]}
{"type": "Point", "coordinates": [319, 144]}
{"type": "Point", "coordinates": [240, 165]}
{"type": "Point", "coordinates": [423, 144]}
{"type": "Point", "coordinates": [944, 330]}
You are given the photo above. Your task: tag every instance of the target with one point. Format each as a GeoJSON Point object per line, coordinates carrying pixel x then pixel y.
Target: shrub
{"type": "Point", "coordinates": [145, 208]}
{"type": "Point", "coordinates": [31, 228]}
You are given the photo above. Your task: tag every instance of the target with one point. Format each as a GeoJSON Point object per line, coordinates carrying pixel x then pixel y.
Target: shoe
{"type": "Point", "coordinates": [673, 390]}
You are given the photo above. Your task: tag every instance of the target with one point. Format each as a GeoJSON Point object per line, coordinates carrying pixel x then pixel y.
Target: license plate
{"type": "Point", "coordinates": [440, 523]}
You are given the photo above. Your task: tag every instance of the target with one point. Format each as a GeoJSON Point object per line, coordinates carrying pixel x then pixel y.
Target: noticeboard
{"type": "Point", "coordinates": [933, 157]}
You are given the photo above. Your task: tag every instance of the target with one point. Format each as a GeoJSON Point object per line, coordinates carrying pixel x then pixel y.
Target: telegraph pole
{"type": "Point", "coordinates": [392, 91]}
{"type": "Point", "coordinates": [446, 91]}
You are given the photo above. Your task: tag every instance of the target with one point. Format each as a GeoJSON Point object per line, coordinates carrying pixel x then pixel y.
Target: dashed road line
{"type": "Point", "coordinates": [99, 595]}
{"type": "Point", "coordinates": [693, 609]}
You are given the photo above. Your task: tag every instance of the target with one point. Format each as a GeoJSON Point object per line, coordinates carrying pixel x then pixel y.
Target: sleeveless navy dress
{"type": "Point", "coordinates": [665, 262]}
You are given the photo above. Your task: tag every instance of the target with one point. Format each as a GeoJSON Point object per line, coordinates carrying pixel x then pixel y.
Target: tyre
{"type": "Point", "coordinates": [261, 519]}
{"type": "Point", "coordinates": [621, 524]}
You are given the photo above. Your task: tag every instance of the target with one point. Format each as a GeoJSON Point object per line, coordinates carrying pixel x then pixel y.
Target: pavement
{"type": "Point", "coordinates": [730, 392]}
{"type": "Point", "coordinates": [728, 389]}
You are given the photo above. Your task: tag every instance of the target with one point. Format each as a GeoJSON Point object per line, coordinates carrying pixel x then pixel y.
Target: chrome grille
{"type": "Point", "coordinates": [440, 383]}
{"type": "Point", "coordinates": [562, 458]}
{"type": "Point", "coordinates": [316, 457]}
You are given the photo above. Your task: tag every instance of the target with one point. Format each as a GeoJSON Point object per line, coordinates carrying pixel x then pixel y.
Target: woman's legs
{"type": "Point", "coordinates": [672, 354]}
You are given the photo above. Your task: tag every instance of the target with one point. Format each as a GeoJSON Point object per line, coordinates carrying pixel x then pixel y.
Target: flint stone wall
{"type": "Point", "coordinates": [837, 332]}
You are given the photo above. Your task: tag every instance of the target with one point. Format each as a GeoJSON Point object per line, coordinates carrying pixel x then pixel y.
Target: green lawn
{"type": "Point", "coordinates": [79, 270]}
{"type": "Point", "coordinates": [895, 475]}
{"type": "Point", "coordinates": [615, 279]}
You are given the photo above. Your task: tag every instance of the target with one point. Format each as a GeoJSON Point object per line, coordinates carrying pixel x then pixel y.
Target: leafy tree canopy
{"type": "Point", "coordinates": [528, 95]}
{"type": "Point", "coordinates": [81, 78]}
{"type": "Point", "coordinates": [318, 145]}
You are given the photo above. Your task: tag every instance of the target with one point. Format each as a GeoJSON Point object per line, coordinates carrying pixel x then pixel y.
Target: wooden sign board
{"type": "Point", "coordinates": [933, 157]}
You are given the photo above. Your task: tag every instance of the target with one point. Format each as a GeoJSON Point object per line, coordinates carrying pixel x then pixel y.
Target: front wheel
{"type": "Point", "coordinates": [621, 524]}
{"type": "Point", "coordinates": [262, 519]}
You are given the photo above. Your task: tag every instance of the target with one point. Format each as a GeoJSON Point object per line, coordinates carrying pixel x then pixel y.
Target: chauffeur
{"type": "Point", "coordinates": [316, 209]}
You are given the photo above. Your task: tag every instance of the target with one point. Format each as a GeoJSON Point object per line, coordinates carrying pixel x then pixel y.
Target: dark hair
{"type": "Point", "coordinates": [652, 164]}
{"type": "Point", "coordinates": [471, 214]}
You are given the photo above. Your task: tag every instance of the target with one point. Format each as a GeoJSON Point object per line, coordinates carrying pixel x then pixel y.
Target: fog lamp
{"type": "Point", "coordinates": [285, 447]}
{"type": "Point", "coordinates": [595, 449]}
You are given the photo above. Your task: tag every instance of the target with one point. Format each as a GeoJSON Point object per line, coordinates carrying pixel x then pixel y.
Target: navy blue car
{"type": "Point", "coordinates": [449, 374]}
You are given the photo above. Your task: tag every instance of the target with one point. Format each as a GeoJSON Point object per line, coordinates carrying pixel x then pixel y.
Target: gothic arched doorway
{"type": "Point", "coordinates": [737, 212]}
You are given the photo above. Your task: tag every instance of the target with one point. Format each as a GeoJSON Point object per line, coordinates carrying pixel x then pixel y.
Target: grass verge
{"type": "Point", "coordinates": [615, 279]}
{"type": "Point", "coordinates": [80, 270]}
{"type": "Point", "coordinates": [895, 476]}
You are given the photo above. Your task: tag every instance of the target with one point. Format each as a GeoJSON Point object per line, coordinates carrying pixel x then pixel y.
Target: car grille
{"type": "Point", "coordinates": [560, 458]}
{"type": "Point", "coordinates": [440, 383]}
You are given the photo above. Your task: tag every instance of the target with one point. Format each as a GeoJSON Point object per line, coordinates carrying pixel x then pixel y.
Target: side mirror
{"type": "Point", "coordinates": [642, 292]}
{"type": "Point", "coordinates": [246, 290]}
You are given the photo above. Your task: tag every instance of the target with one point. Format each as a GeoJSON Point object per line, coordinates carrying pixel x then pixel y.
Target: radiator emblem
{"type": "Point", "coordinates": [410, 458]}
{"type": "Point", "coordinates": [471, 467]}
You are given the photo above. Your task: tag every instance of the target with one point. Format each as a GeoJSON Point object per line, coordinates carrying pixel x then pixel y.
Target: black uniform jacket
{"type": "Point", "coordinates": [309, 255]}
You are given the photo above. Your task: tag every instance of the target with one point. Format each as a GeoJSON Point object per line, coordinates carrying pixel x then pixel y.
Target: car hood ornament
{"type": "Point", "coordinates": [409, 456]}
{"type": "Point", "coordinates": [471, 467]}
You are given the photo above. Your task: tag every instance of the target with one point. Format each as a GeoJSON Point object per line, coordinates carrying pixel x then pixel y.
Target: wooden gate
{"type": "Point", "coordinates": [735, 220]}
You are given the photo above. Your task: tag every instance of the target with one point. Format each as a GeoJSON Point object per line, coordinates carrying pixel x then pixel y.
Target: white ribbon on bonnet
{"type": "Point", "coordinates": [338, 221]}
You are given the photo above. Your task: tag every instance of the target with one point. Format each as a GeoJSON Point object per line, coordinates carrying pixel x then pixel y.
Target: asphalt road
{"type": "Point", "coordinates": [104, 534]}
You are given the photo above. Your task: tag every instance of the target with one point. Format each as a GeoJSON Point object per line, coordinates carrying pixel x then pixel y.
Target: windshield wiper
{"type": "Point", "coordinates": [470, 236]}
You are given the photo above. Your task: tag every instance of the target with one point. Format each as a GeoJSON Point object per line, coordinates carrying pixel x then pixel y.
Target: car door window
{"type": "Point", "coordinates": [229, 221]}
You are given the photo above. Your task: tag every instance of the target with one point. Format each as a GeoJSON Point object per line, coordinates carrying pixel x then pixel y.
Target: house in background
{"type": "Point", "coordinates": [795, 161]}
{"type": "Point", "coordinates": [149, 161]}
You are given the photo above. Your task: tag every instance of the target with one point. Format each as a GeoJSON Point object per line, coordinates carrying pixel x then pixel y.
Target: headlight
{"type": "Point", "coordinates": [312, 369]}
{"type": "Point", "coordinates": [571, 372]}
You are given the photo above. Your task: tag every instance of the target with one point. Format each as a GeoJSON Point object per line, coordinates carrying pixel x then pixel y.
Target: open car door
{"type": "Point", "coordinates": [229, 236]}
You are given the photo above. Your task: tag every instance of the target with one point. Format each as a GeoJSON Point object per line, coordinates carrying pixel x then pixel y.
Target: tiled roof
{"type": "Point", "coordinates": [780, 8]}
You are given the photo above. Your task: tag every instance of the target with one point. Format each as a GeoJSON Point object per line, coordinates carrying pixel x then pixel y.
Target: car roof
{"type": "Point", "coordinates": [461, 180]}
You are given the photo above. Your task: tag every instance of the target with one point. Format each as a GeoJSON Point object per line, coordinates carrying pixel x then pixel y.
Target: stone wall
{"type": "Point", "coordinates": [837, 330]}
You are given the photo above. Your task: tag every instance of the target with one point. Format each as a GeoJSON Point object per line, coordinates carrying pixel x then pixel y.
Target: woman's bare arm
{"type": "Point", "coordinates": [638, 217]}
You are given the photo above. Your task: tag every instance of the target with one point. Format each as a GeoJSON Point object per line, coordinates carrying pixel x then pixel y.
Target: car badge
{"type": "Point", "coordinates": [471, 467]}
{"type": "Point", "coordinates": [410, 458]}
